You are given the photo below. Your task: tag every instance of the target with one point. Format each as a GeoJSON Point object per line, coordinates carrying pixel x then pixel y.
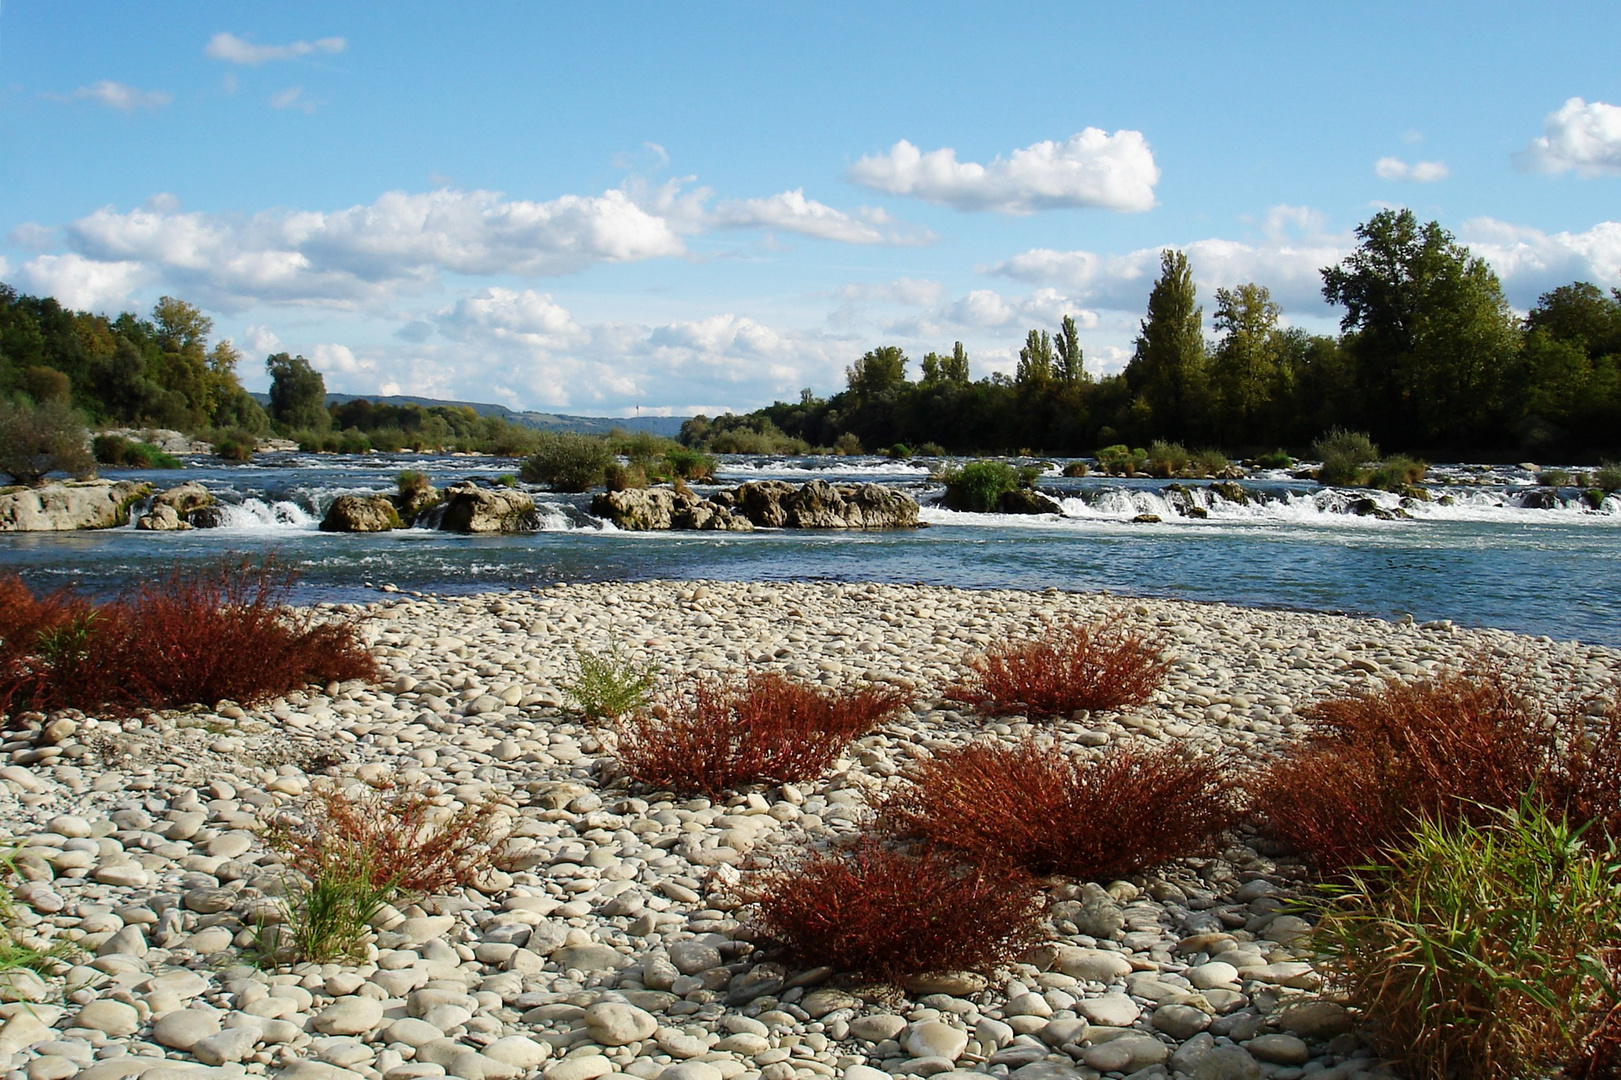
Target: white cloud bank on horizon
{"type": "Point", "coordinates": [792, 212]}
{"type": "Point", "coordinates": [116, 95]}
{"type": "Point", "coordinates": [1580, 136]}
{"type": "Point", "coordinates": [1090, 169]}
{"type": "Point", "coordinates": [235, 50]}
{"type": "Point", "coordinates": [1420, 172]}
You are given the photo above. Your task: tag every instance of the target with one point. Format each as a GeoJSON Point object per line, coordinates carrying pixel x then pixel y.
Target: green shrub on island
{"type": "Point", "coordinates": [931, 449]}
{"type": "Point", "coordinates": [1077, 468]}
{"type": "Point", "coordinates": [1555, 478]}
{"type": "Point", "coordinates": [681, 463]}
{"type": "Point", "coordinates": [121, 453]}
{"type": "Point", "coordinates": [1121, 460]}
{"type": "Point", "coordinates": [37, 440]}
{"type": "Point", "coordinates": [978, 486]}
{"type": "Point", "coordinates": [1480, 950]}
{"type": "Point", "coordinates": [898, 451]}
{"type": "Point", "coordinates": [1346, 456]}
{"type": "Point", "coordinates": [1167, 459]}
{"type": "Point", "coordinates": [1208, 462]}
{"type": "Point", "coordinates": [617, 477]}
{"type": "Point", "coordinates": [847, 445]}
{"type": "Point", "coordinates": [1277, 459]}
{"type": "Point", "coordinates": [1607, 478]}
{"type": "Point", "coordinates": [1397, 473]}
{"type": "Point", "coordinates": [567, 461]}
{"type": "Point", "coordinates": [238, 444]}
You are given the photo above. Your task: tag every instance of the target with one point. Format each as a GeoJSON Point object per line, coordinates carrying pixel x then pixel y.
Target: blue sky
{"type": "Point", "coordinates": [685, 207]}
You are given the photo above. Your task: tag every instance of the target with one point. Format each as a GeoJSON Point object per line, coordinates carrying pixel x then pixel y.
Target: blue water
{"type": "Point", "coordinates": [1485, 560]}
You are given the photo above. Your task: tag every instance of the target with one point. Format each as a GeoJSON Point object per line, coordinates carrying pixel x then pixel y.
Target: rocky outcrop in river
{"type": "Point", "coordinates": [81, 504]}
{"type": "Point", "coordinates": [361, 513]}
{"type": "Point", "coordinates": [177, 508]}
{"type": "Point", "coordinates": [772, 504]}
{"type": "Point", "coordinates": [469, 508]}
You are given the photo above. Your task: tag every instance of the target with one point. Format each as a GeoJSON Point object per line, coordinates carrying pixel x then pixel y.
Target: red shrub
{"type": "Point", "coordinates": [888, 914]}
{"type": "Point", "coordinates": [1104, 665]}
{"type": "Point", "coordinates": [721, 735]}
{"type": "Point", "coordinates": [394, 833]}
{"type": "Point", "coordinates": [223, 632]}
{"type": "Point", "coordinates": [1456, 746]}
{"type": "Point", "coordinates": [1045, 811]}
{"type": "Point", "coordinates": [1584, 780]}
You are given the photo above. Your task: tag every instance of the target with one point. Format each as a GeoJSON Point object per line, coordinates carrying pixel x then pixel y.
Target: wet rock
{"type": "Point", "coordinates": [361, 513]}
{"type": "Point", "coordinates": [469, 508]}
{"type": "Point", "coordinates": [85, 504]}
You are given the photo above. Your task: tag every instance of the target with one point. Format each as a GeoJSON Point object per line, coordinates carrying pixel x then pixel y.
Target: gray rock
{"type": "Point", "coordinates": [1180, 1022]}
{"type": "Point", "coordinates": [693, 957]}
{"type": "Point", "coordinates": [468, 508]}
{"type": "Point", "coordinates": [931, 1038]}
{"type": "Point", "coordinates": [111, 1017]}
{"type": "Point", "coordinates": [361, 513]}
{"type": "Point", "coordinates": [1110, 1010]}
{"type": "Point", "coordinates": [349, 1016]}
{"type": "Point", "coordinates": [1227, 1063]}
{"type": "Point", "coordinates": [185, 1028]}
{"type": "Point", "coordinates": [590, 958]}
{"type": "Point", "coordinates": [1315, 1019]}
{"type": "Point", "coordinates": [90, 504]}
{"type": "Point", "coordinates": [229, 1046]}
{"type": "Point", "coordinates": [613, 1023]}
{"type": "Point", "coordinates": [1126, 1054]}
{"type": "Point", "coordinates": [1279, 1049]}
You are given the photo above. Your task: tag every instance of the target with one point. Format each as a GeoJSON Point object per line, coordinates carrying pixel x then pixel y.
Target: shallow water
{"type": "Point", "coordinates": [1487, 559]}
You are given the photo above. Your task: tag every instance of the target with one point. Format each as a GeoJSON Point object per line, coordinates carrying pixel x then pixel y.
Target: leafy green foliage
{"type": "Point", "coordinates": [1276, 459]}
{"type": "Point", "coordinates": [978, 486]}
{"type": "Point", "coordinates": [1346, 456]}
{"type": "Point", "coordinates": [1608, 477]}
{"type": "Point", "coordinates": [37, 440]}
{"type": "Point", "coordinates": [607, 687]}
{"type": "Point", "coordinates": [1397, 473]}
{"type": "Point", "coordinates": [119, 452]}
{"type": "Point", "coordinates": [1479, 949]}
{"type": "Point", "coordinates": [567, 461]}
{"type": "Point", "coordinates": [297, 394]}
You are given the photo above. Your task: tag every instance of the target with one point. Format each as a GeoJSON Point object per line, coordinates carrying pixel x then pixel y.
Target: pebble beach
{"type": "Point", "coordinates": [612, 940]}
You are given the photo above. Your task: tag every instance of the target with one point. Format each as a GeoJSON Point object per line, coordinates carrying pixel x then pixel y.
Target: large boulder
{"type": "Point", "coordinates": [469, 508]}
{"type": "Point", "coordinates": [651, 509]}
{"type": "Point", "coordinates": [187, 497]}
{"type": "Point", "coordinates": [1028, 501]}
{"type": "Point", "coordinates": [361, 513]}
{"type": "Point", "coordinates": [86, 504]}
{"type": "Point", "coordinates": [162, 518]}
{"type": "Point", "coordinates": [776, 504]}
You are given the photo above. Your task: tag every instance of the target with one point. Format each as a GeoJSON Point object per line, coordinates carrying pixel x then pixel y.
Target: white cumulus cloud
{"type": "Point", "coordinates": [235, 50]}
{"type": "Point", "coordinates": [1093, 168]}
{"type": "Point", "coordinates": [117, 95]}
{"type": "Point", "coordinates": [81, 283]}
{"type": "Point", "coordinates": [909, 292]}
{"type": "Point", "coordinates": [1581, 136]}
{"type": "Point", "coordinates": [365, 253]}
{"type": "Point", "coordinates": [790, 211]}
{"type": "Point", "coordinates": [1422, 172]}
{"type": "Point", "coordinates": [1530, 261]}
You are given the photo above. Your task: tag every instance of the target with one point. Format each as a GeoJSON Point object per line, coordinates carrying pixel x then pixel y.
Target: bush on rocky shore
{"type": "Point", "coordinates": [1104, 665]}
{"type": "Point", "coordinates": [1035, 807]}
{"type": "Point", "coordinates": [224, 633]}
{"type": "Point", "coordinates": [718, 735]}
{"type": "Point", "coordinates": [888, 914]}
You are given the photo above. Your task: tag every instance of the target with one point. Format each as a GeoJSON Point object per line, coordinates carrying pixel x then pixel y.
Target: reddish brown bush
{"type": "Point", "coordinates": [888, 914]}
{"type": "Point", "coordinates": [1460, 745]}
{"type": "Point", "coordinates": [397, 834]}
{"type": "Point", "coordinates": [1584, 780]}
{"type": "Point", "coordinates": [1105, 665]}
{"type": "Point", "coordinates": [222, 632]}
{"type": "Point", "coordinates": [719, 735]}
{"type": "Point", "coordinates": [1045, 811]}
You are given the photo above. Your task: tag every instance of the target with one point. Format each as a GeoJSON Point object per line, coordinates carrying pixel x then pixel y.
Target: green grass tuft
{"type": "Point", "coordinates": [607, 687]}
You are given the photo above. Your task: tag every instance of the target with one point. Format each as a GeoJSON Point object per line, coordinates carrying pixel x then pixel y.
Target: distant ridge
{"type": "Point", "coordinates": [668, 426]}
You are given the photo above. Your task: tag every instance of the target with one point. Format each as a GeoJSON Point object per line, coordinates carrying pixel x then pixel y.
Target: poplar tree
{"type": "Point", "coordinates": [1167, 367]}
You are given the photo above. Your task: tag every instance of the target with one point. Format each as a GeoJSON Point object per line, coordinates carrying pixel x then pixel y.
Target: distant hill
{"type": "Point", "coordinates": [592, 425]}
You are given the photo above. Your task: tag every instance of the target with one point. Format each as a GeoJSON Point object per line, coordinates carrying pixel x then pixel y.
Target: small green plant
{"type": "Point", "coordinates": [1345, 455]}
{"type": "Point", "coordinates": [680, 463]}
{"type": "Point", "coordinates": [507, 480]}
{"type": "Point", "coordinates": [413, 484]}
{"type": "Point", "coordinates": [931, 449]}
{"type": "Point", "coordinates": [899, 450]}
{"type": "Point", "coordinates": [328, 918]}
{"type": "Point", "coordinates": [978, 486]}
{"type": "Point", "coordinates": [1607, 478]}
{"type": "Point", "coordinates": [1479, 950]}
{"type": "Point", "coordinates": [568, 461]}
{"type": "Point", "coordinates": [1277, 459]}
{"type": "Point", "coordinates": [238, 444]}
{"type": "Point", "coordinates": [1121, 460]}
{"type": "Point", "coordinates": [847, 445]}
{"type": "Point", "coordinates": [15, 955]}
{"type": "Point", "coordinates": [1167, 459]}
{"type": "Point", "coordinates": [1396, 473]}
{"type": "Point", "coordinates": [1077, 468]}
{"type": "Point", "coordinates": [1208, 462]}
{"type": "Point", "coordinates": [1555, 478]}
{"type": "Point", "coordinates": [119, 452]}
{"type": "Point", "coordinates": [617, 477]}
{"type": "Point", "coordinates": [607, 687]}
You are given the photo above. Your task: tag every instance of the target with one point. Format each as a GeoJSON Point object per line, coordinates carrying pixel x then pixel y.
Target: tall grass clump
{"type": "Point", "coordinates": [608, 687]}
{"type": "Point", "coordinates": [1479, 950]}
{"type": "Point", "coordinates": [1346, 456]}
{"type": "Point", "coordinates": [1607, 477]}
{"type": "Point", "coordinates": [681, 463]}
{"type": "Point", "coordinates": [1121, 460]}
{"type": "Point", "coordinates": [717, 735]}
{"type": "Point", "coordinates": [1167, 459]}
{"type": "Point", "coordinates": [351, 850]}
{"type": "Point", "coordinates": [198, 636]}
{"type": "Point", "coordinates": [887, 914]}
{"type": "Point", "coordinates": [1396, 473]}
{"type": "Point", "coordinates": [1103, 665]}
{"type": "Point", "coordinates": [1036, 808]}
{"type": "Point", "coordinates": [978, 486]}
{"type": "Point", "coordinates": [15, 953]}
{"type": "Point", "coordinates": [568, 461]}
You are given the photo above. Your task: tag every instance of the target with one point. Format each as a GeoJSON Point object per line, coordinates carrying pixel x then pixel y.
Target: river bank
{"type": "Point", "coordinates": [141, 845]}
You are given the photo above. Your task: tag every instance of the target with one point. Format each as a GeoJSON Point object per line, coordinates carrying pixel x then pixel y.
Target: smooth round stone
{"type": "Point", "coordinates": [1093, 965]}
{"type": "Point", "coordinates": [124, 875]}
{"type": "Point", "coordinates": [69, 825]}
{"type": "Point", "coordinates": [1110, 1010]}
{"type": "Point", "coordinates": [678, 1044]}
{"type": "Point", "coordinates": [233, 1044]}
{"type": "Point", "coordinates": [877, 1028]}
{"type": "Point", "coordinates": [1126, 1054]}
{"type": "Point", "coordinates": [744, 1043]}
{"type": "Point", "coordinates": [52, 1067]}
{"type": "Point", "coordinates": [412, 1032]}
{"type": "Point", "coordinates": [1279, 1049]}
{"type": "Point", "coordinates": [519, 1051]}
{"type": "Point", "coordinates": [865, 1072]}
{"type": "Point", "coordinates": [1212, 975]}
{"type": "Point", "coordinates": [691, 1070]}
{"type": "Point", "coordinates": [1180, 1022]}
{"type": "Point", "coordinates": [584, 1067]}
{"type": "Point", "coordinates": [1227, 1063]}
{"type": "Point", "coordinates": [1316, 1019]}
{"type": "Point", "coordinates": [694, 957]}
{"type": "Point", "coordinates": [230, 845]}
{"type": "Point", "coordinates": [111, 1017]}
{"type": "Point", "coordinates": [185, 1028]}
{"type": "Point", "coordinates": [614, 1023]}
{"type": "Point", "coordinates": [1028, 1005]}
{"type": "Point", "coordinates": [349, 1016]}
{"type": "Point", "coordinates": [931, 1038]}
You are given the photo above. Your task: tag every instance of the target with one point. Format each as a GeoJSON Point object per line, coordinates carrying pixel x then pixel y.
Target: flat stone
{"type": "Point", "coordinates": [1092, 965]}
{"type": "Point", "coordinates": [931, 1038]}
{"type": "Point", "coordinates": [584, 1067]}
{"type": "Point", "coordinates": [1228, 1063]}
{"type": "Point", "coordinates": [1126, 1054]}
{"type": "Point", "coordinates": [1316, 1019]}
{"type": "Point", "coordinates": [691, 1070]}
{"type": "Point", "coordinates": [590, 958]}
{"type": "Point", "coordinates": [1180, 1022]}
{"type": "Point", "coordinates": [878, 1027]}
{"type": "Point", "coordinates": [185, 1028]}
{"type": "Point", "coordinates": [519, 1051]}
{"type": "Point", "coordinates": [1110, 1010]}
{"type": "Point", "coordinates": [229, 1046]}
{"type": "Point", "coordinates": [1279, 1049]}
{"type": "Point", "coordinates": [613, 1023]}
{"type": "Point", "coordinates": [112, 1017]}
{"type": "Point", "coordinates": [349, 1016]}
{"type": "Point", "coordinates": [1211, 975]}
{"type": "Point", "coordinates": [818, 1003]}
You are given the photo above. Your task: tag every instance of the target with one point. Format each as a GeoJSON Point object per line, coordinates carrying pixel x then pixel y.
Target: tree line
{"type": "Point", "coordinates": [1430, 360]}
